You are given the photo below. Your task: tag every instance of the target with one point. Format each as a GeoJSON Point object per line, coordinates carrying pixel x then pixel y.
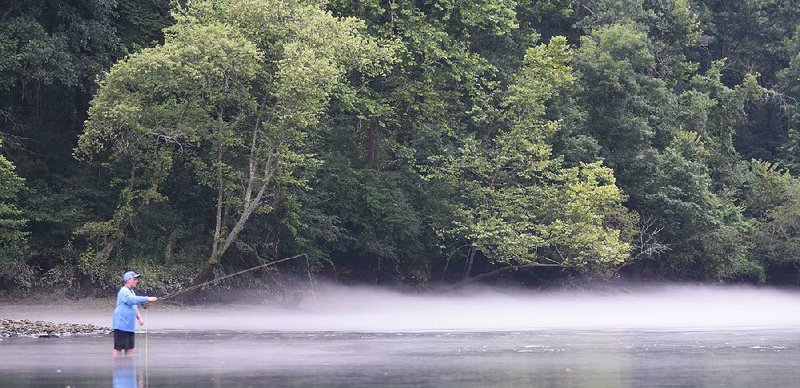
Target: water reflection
{"type": "Point", "coordinates": [125, 373]}
{"type": "Point", "coordinates": [366, 337]}
{"type": "Point", "coordinates": [463, 359]}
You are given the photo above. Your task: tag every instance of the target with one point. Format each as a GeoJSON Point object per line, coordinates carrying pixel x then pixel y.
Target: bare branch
{"type": "Point", "coordinates": [647, 244]}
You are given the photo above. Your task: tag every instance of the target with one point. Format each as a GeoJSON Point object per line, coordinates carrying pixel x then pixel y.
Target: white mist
{"type": "Point", "coordinates": [365, 309]}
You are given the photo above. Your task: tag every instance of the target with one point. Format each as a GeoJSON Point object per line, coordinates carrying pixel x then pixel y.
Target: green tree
{"type": "Point", "coordinates": [755, 38]}
{"type": "Point", "coordinates": [751, 34]}
{"type": "Point", "coordinates": [789, 89]}
{"type": "Point", "coordinates": [50, 54]}
{"type": "Point", "coordinates": [12, 222]}
{"type": "Point", "coordinates": [769, 196]}
{"type": "Point", "coordinates": [233, 90]}
{"type": "Point", "coordinates": [668, 132]}
{"type": "Point", "coordinates": [515, 204]}
{"type": "Point", "coordinates": [13, 237]}
{"type": "Point", "coordinates": [164, 98]}
{"type": "Point", "coordinates": [777, 240]}
{"type": "Point", "coordinates": [454, 60]}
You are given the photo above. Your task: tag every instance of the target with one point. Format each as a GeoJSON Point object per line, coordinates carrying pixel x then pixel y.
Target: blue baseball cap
{"type": "Point", "coordinates": [129, 275]}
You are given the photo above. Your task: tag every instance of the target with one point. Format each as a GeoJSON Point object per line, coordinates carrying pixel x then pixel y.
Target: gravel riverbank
{"type": "Point", "coordinates": [27, 328]}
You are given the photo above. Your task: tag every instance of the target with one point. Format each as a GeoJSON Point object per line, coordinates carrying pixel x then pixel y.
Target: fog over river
{"type": "Point", "coordinates": [333, 308]}
{"type": "Point", "coordinates": [360, 336]}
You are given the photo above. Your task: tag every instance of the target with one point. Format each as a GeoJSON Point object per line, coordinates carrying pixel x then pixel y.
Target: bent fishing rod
{"type": "Point", "coordinates": [196, 286]}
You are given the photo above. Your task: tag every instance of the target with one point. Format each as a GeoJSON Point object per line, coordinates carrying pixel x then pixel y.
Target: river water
{"type": "Point", "coordinates": [673, 336]}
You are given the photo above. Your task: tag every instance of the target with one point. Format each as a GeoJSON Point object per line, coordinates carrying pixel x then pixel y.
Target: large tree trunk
{"type": "Point", "coordinates": [213, 260]}
{"type": "Point", "coordinates": [258, 178]}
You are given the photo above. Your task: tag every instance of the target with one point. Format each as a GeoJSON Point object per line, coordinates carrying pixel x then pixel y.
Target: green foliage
{"type": "Point", "coordinates": [163, 280]}
{"type": "Point", "coordinates": [14, 273]}
{"type": "Point", "coordinates": [377, 223]}
{"type": "Point", "coordinates": [50, 53]}
{"type": "Point", "coordinates": [239, 131]}
{"type": "Point", "coordinates": [790, 152]}
{"type": "Point", "coordinates": [789, 83]}
{"type": "Point", "coordinates": [80, 273]}
{"type": "Point", "coordinates": [94, 273]}
{"type": "Point", "coordinates": [679, 190]}
{"type": "Point", "coordinates": [755, 37]}
{"type": "Point", "coordinates": [514, 202]}
{"type": "Point", "coordinates": [51, 49]}
{"type": "Point", "coordinates": [12, 221]}
{"type": "Point", "coordinates": [724, 261]}
{"type": "Point", "coordinates": [616, 66]}
{"type": "Point", "coordinates": [778, 238]}
{"type": "Point", "coordinates": [33, 56]}
{"type": "Point", "coordinates": [764, 188]}
{"type": "Point", "coordinates": [770, 196]}
{"type": "Point", "coordinates": [140, 23]}
{"type": "Point", "coordinates": [232, 90]}
{"type": "Point", "coordinates": [753, 34]}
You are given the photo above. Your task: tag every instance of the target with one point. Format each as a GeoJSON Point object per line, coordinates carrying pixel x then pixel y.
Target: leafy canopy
{"type": "Point", "coordinates": [516, 204]}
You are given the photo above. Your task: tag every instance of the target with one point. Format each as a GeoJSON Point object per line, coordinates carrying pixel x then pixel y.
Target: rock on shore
{"type": "Point", "coordinates": [26, 328]}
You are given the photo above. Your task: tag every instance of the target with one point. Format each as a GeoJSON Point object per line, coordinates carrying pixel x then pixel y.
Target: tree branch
{"type": "Point", "coordinates": [510, 268]}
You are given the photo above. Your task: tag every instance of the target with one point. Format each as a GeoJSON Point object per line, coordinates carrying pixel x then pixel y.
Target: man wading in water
{"type": "Point", "coordinates": [127, 309]}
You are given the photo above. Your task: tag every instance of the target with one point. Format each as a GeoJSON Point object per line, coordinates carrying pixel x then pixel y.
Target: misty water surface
{"type": "Point", "coordinates": [669, 336]}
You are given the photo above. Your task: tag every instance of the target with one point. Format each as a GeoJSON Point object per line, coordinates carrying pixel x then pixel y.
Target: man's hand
{"type": "Point", "coordinates": [151, 299]}
{"type": "Point", "coordinates": [141, 322]}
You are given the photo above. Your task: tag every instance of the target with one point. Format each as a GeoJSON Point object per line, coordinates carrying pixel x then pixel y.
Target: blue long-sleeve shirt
{"type": "Point", "coordinates": [125, 312]}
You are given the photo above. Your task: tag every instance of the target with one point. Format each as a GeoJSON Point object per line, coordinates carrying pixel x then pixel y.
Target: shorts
{"type": "Point", "coordinates": [123, 340]}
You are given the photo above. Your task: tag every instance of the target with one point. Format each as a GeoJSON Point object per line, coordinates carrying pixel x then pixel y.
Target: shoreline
{"type": "Point", "coordinates": [45, 329]}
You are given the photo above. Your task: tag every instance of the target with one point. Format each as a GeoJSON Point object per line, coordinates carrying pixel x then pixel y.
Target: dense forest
{"type": "Point", "coordinates": [416, 142]}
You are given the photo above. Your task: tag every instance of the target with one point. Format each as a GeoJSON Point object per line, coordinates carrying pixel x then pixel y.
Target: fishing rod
{"type": "Point", "coordinates": [196, 286]}
{"type": "Point", "coordinates": [181, 291]}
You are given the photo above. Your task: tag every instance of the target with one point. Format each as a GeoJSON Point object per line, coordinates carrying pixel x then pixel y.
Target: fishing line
{"type": "Point", "coordinates": [181, 291]}
{"type": "Point", "coordinates": [146, 331]}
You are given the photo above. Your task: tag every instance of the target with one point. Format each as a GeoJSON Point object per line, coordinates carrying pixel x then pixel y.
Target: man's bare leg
{"type": "Point", "coordinates": [129, 352]}
{"type": "Point", "coordinates": [116, 353]}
